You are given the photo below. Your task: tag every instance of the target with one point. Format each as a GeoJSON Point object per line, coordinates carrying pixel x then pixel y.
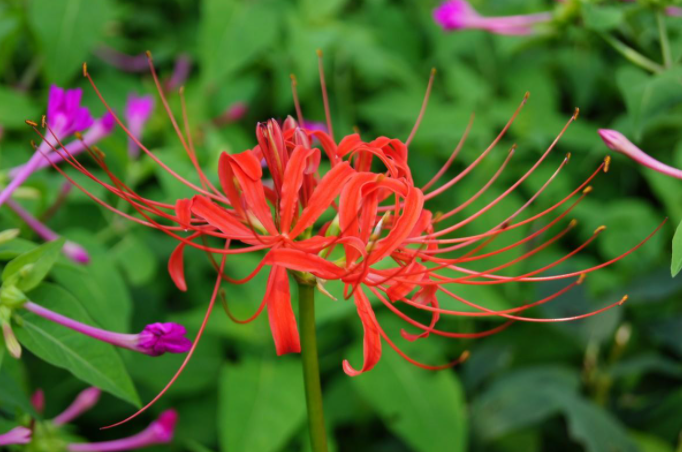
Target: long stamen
{"type": "Point", "coordinates": [297, 105]}
{"type": "Point", "coordinates": [187, 358]}
{"type": "Point", "coordinates": [325, 97]}
{"type": "Point", "coordinates": [425, 102]}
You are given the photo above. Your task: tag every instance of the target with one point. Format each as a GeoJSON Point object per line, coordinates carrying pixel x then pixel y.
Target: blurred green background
{"type": "Point", "coordinates": [609, 383]}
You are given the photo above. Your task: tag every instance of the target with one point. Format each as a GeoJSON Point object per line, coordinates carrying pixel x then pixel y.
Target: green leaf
{"type": "Point", "coordinates": [98, 286]}
{"type": "Point", "coordinates": [595, 427]}
{"type": "Point", "coordinates": [261, 404]}
{"type": "Point", "coordinates": [12, 396]}
{"type": "Point", "coordinates": [234, 34]}
{"type": "Point", "coordinates": [67, 31]}
{"type": "Point", "coordinates": [530, 396]}
{"type": "Point", "coordinates": [426, 409]}
{"type": "Point", "coordinates": [94, 362]}
{"type": "Point", "coordinates": [602, 18]}
{"type": "Point", "coordinates": [676, 264]}
{"type": "Point", "coordinates": [33, 266]}
{"type": "Point", "coordinates": [16, 108]}
{"type": "Point", "coordinates": [648, 97]}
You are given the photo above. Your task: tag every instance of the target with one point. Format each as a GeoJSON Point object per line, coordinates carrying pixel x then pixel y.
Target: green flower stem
{"type": "Point", "coordinates": [311, 367]}
{"type": "Point", "coordinates": [632, 55]}
{"type": "Point", "coordinates": [665, 43]}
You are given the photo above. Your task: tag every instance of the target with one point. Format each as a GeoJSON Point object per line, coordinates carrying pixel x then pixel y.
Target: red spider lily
{"type": "Point", "coordinates": [380, 238]}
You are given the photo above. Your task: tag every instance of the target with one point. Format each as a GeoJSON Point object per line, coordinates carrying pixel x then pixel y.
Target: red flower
{"type": "Point", "coordinates": [379, 217]}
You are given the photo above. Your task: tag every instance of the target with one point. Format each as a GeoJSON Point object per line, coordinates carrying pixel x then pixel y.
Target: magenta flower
{"type": "Point", "coordinates": [18, 435]}
{"type": "Point", "coordinates": [99, 130]}
{"type": "Point", "coordinates": [619, 142]}
{"type": "Point", "coordinates": [459, 15]}
{"type": "Point", "coordinates": [82, 403]}
{"type": "Point", "coordinates": [65, 116]}
{"type": "Point", "coordinates": [159, 338]}
{"type": "Point", "coordinates": [137, 112]}
{"type": "Point", "coordinates": [159, 432]}
{"type": "Point", "coordinates": [72, 250]}
{"type": "Point", "coordinates": [154, 340]}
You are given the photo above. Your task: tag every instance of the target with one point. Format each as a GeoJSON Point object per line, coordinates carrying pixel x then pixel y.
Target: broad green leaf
{"type": "Point", "coordinates": [88, 359]}
{"type": "Point", "coordinates": [594, 427]}
{"type": "Point", "coordinates": [648, 96]}
{"type": "Point", "coordinates": [98, 286]}
{"type": "Point", "coordinates": [425, 409]}
{"type": "Point", "coordinates": [519, 400]}
{"type": "Point", "coordinates": [33, 266]}
{"type": "Point", "coordinates": [234, 34]}
{"type": "Point", "coordinates": [136, 259]}
{"type": "Point", "coordinates": [12, 396]}
{"type": "Point", "coordinates": [528, 397]}
{"type": "Point", "coordinates": [676, 264]}
{"type": "Point", "coordinates": [602, 18]}
{"type": "Point", "coordinates": [261, 404]}
{"type": "Point", "coordinates": [67, 31]}
{"type": "Point", "coordinates": [16, 108]}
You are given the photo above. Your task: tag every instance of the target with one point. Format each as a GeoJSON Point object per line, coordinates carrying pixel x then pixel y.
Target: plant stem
{"type": "Point", "coordinates": [311, 367]}
{"type": "Point", "coordinates": [665, 43]}
{"type": "Point", "coordinates": [632, 55]}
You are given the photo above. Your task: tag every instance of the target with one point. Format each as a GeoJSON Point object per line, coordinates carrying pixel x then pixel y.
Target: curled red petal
{"type": "Point", "coordinates": [282, 320]}
{"type": "Point", "coordinates": [372, 339]}
{"type": "Point", "coordinates": [183, 209]}
{"type": "Point", "coordinates": [176, 267]}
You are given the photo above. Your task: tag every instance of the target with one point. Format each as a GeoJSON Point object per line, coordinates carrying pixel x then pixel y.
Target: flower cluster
{"type": "Point", "coordinates": [358, 217]}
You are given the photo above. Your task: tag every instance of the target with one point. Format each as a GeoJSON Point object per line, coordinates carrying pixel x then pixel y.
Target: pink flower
{"type": "Point", "coordinates": [138, 110]}
{"type": "Point", "coordinates": [159, 338]}
{"type": "Point", "coordinates": [618, 142]}
{"type": "Point", "coordinates": [99, 130]}
{"type": "Point", "coordinates": [459, 15]}
{"type": "Point", "coordinates": [82, 403]}
{"type": "Point", "coordinates": [18, 435]}
{"type": "Point", "coordinates": [65, 116]}
{"type": "Point", "coordinates": [154, 340]}
{"type": "Point", "coordinates": [72, 250]}
{"type": "Point", "coordinates": [159, 432]}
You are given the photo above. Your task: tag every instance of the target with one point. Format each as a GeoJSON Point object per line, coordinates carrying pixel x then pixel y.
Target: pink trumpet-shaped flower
{"type": "Point", "coordinates": [18, 435]}
{"type": "Point", "coordinates": [619, 142]}
{"type": "Point", "coordinates": [72, 250]}
{"type": "Point", "coordinates": [159, 432]}
{"type": "Point", "coordinates": [137, 112]}
{"type": "Point", "coordinates": [82, 403]}
{"type": "Point", "coordinates": [99, 130]}
{"type": "Point", "coordinates": [154, 340]}
{"type": "Point", "coordinates": [459, 15]}
{"type": "Point", "coordinates": [65, 116]}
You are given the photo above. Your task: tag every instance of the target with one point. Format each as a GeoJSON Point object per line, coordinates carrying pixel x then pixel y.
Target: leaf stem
{"type": "Point", "coordinates": [632, 55]}
{"type": "Point", "coordinates": [311, 367]}
{"type": "Point", "coordinates": [665, 43]}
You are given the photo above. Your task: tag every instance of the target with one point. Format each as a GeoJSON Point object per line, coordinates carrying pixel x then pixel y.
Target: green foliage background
{"type": "Point", "coordinates": [534, 387]}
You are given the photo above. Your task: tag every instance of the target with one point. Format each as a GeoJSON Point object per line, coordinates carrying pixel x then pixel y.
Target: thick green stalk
{"type": "Point", "coordinates": [311, 367]}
